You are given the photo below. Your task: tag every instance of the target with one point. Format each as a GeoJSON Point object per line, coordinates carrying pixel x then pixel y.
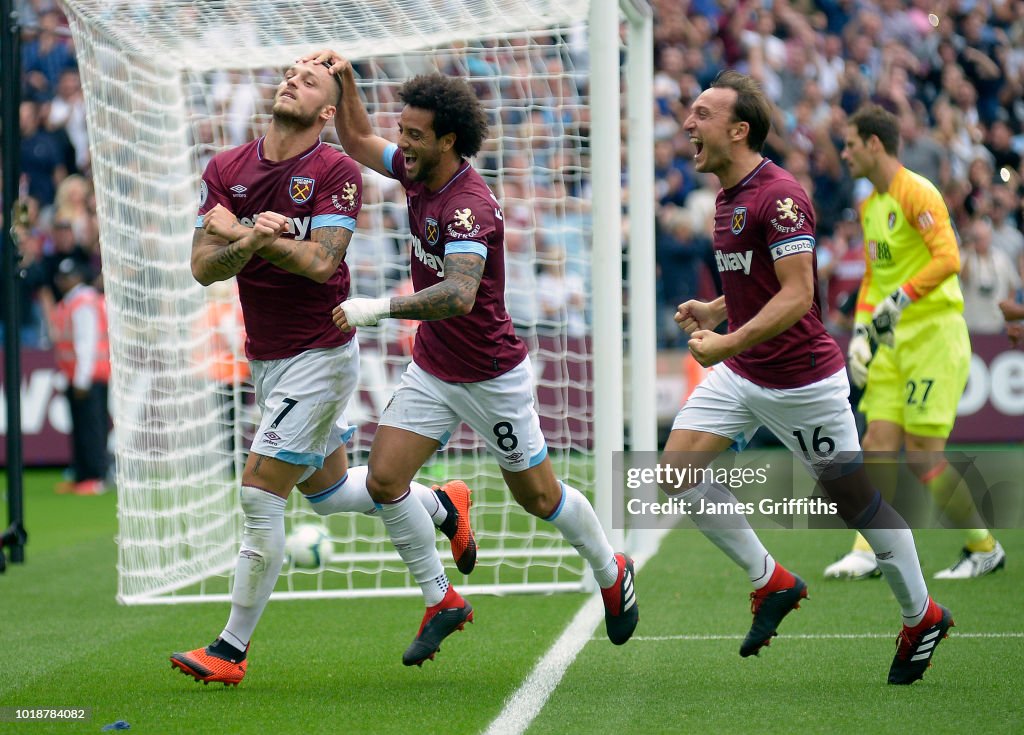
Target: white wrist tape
{"type": "Point", "coordinates": [366, 312]}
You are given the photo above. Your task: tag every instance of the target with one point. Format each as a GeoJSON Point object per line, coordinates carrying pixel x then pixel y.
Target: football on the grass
{"type": "Point", "coordinates": [308, 546]}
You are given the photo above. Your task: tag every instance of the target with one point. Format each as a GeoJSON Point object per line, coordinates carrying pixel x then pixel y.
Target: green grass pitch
{"type": "Point", "coordinates": [334, 665]}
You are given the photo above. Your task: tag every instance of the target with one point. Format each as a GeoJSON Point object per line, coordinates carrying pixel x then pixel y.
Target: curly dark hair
{"type": "Point", "coordinates": [456, 109]}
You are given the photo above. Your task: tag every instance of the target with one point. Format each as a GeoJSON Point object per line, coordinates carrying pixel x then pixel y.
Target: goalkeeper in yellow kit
{"type": "Point", "coordinates": [911, 307]}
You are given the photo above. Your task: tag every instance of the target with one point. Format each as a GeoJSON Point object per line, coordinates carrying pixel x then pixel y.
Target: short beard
{"type": "Point", "coordinates": [424, 171]}
{"type": "Point", "coordinates": [294, 120]}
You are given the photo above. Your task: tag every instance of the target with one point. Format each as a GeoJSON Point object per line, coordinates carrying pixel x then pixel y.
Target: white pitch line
{"type": "Point", "coordinates": [805, 636]}
{"type": "Point", "coordinates": [526, 702]}
{"type": "Point", "coordinates": [523, 706]}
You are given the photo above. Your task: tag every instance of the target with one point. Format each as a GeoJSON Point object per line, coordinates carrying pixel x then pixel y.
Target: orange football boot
{"type": "Point", "coordinates": [457, 498]}
{"type": "Point", "coordinates": [204, 665]}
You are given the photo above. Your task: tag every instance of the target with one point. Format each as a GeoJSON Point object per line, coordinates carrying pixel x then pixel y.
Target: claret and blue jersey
{"type": "Point", "coordinates": [765, 217]}
{"type": "Point", "coordinates": [286, 313]}
{"type": "Point", "coordinates": [461, 217]}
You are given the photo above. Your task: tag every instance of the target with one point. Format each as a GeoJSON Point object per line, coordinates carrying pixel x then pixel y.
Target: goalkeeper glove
{"type": "Point", "coordinates": [859, 355]}
{"type": "Point", "coordinates": [366, 312]}
{"type": "Point", "coordinates": [887, 316]}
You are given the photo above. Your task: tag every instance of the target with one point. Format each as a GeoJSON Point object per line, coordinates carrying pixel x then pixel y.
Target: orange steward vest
{"type": "Point", "coordinates": [225, 366]}
{"type": "Point", "coordinates": [64, 340]}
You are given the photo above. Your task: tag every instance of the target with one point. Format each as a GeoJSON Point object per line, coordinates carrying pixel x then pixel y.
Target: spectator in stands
{"type": "Point", "coordinates": [561, 298]}
{"type": "Point", "coordinates": [846, 271]}
{"type": "Point", "coordinates": [375, 254]}
{"type": "Point", "coordinates": [79, 332]}
{"type": "Point", "coordinates": [864, 48]}
{"type": "Point", "coordinates": [67, 113]}
{"type": "Point", "coordinates": [980, 180]}
{"type": "Point", "coordinates": [71, 204]}
{"type": "Point", "coordinates": [953, 134]}
{"type": "Point", "coordinates": [91, 245]}
{"type": "Point", "coordinates": [854, 87]}
{"type": "Point", "coordinates": [987, 278]}
{"type": "Point", "coordinates": [999, 143]}
{"type": "Point", "coordinates": [42, 275]}
{"type": "Point", "coordinates": [44, 58]}
{"type": "Point", "coordinates": [42, 155]}
{"type": "Point", "coordinates": [798, 163]}
{"type": "Point", "coordinates": [794, 75]}
{"type": "Point", "coordinates": [28, 15]}
{"type": "Point", "coordinates": [977, 53]}
{"type": "Point", "coordinates": [236, 98]}
{"type": "Point", "coordinates": [561, 222]}
{"type": "Point", "coordinates": [681, 251]}
{"type": "Point", "coordinates": [700, 203]}
{"type": "Point", "coordinates": [667, 90]}
{"type": "Point", "coordinates": [965, 96]}
{"type": "Point", "coordinates": [673, 176]}
{"type": "Point", "coordinates": [830, 64]}
{"type": "Point", "coordinates": [1006, 233]}
{"type": "Point", "coordinates": [831, 187]}
{"type": "Point", "coordinates": [520, 274]}
{"type": "Point", "coordinates": [29, 241]}
{"type": "Point", "coordinates": [920, 151]}
{"type": "Point", "coordinates": [898, 24]}
{"type": "Point", "coordinates": [764, 49]}
{"type": "Point", "coordinates": [1013, 313]}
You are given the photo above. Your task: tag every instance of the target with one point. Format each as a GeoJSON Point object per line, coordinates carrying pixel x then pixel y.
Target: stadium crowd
{"type": "Point", "coordinates": [953, 70]}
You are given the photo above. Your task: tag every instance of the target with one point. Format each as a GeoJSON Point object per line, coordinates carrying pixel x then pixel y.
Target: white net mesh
{"type": "Point", "coordinates": [168, 85]}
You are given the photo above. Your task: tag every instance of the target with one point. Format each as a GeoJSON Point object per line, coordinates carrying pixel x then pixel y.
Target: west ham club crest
{"type": "Point", "coordinates": [739, 220]}
{"type": "Point", "coordinates": [431, 230]}
{"type": "Point", "coordinates": [301, 189]}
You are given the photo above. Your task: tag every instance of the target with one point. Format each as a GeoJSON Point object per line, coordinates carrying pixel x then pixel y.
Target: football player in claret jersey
{"type": "Point", "coordinates": [910, 307]}
{"type": "Point", "coordinates": [278, 214]}
{"type": "Point", "coordinates": [467, 363]}
{"type": "Point", "coordinates": [778, 367]}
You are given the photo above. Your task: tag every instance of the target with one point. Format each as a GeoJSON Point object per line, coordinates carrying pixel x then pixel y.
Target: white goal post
{"type": "Point", "coordinates": [169, 83]}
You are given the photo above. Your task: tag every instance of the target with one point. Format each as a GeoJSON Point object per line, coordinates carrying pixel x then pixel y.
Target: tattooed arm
{"type": "Point", "coordinates": [219, 251]}
{"type": "Point", "coordinates": [228, 246]}
{"type": "Point", "coordinates": [454, 296]}
{"type": "Point", "coordinates": [215, 259]}
{"type": "Point", "coordinates": [317, 259]}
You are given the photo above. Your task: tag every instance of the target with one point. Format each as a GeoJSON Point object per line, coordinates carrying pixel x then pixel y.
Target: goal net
{"type": "Point", "coordinates": [169, 84]}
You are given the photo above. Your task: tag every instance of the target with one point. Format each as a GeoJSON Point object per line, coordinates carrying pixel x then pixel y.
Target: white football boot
{"type": "Point", "coordinates": [975, 564]}
{"type": "Point", "coordinates": [855, 565]}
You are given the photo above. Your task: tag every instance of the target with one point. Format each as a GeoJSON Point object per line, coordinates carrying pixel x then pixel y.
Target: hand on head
{"type": "Point", "coordinates": [335, 62]}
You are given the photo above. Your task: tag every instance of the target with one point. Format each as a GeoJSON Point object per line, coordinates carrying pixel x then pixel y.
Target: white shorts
{"type": "Point", "coordinates": [501, 411]}
{"type": "Point", "coordinates": [814, 421]}
{"type": "Point", "coordinates": [302, 401]}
